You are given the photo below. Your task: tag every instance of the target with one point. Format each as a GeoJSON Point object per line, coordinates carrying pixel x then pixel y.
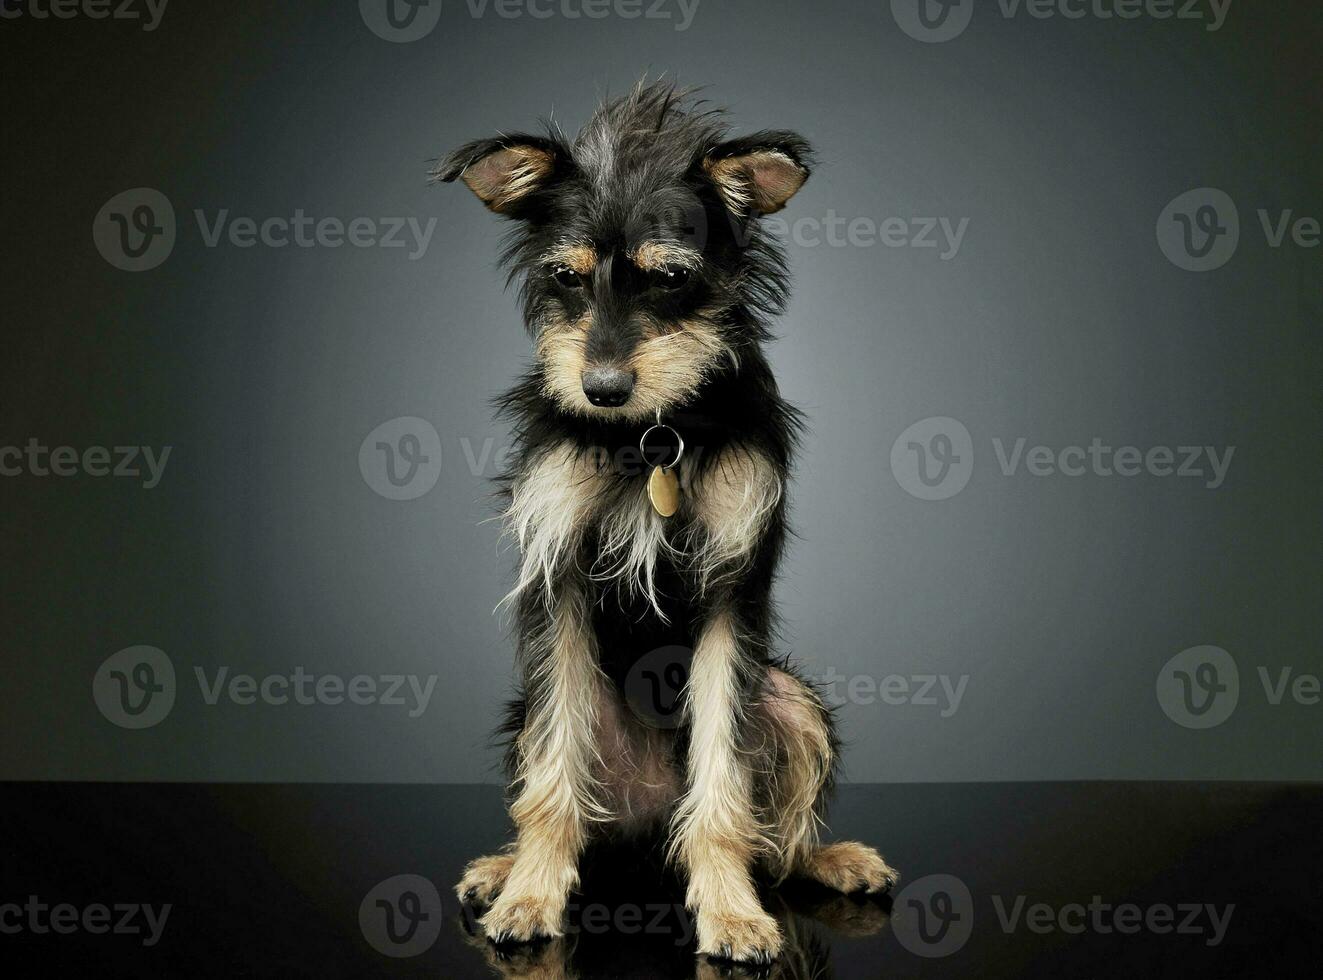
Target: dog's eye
{"type": "Point", "coordinates": [670, 277]}
{"type": "Point", "coordinates": [567, 277]}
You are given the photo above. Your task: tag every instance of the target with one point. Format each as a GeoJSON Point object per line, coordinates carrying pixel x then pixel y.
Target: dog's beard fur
{"type": "Point", "coordinates": [670, 364]}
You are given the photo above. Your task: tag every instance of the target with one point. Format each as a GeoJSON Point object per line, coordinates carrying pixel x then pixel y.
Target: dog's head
{"type": "Point", "coordinates": [644, 271]}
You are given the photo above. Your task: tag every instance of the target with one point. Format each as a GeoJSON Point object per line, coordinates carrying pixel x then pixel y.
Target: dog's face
{"type": "Point", "coordinates": [643, 270]}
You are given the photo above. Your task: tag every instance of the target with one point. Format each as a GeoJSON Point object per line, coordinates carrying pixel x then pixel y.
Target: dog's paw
{"type": "Point", "coordinates": [753, 939]}
{"type": "Point", "coordinates": [850, 916]}
{"type": "Point", "coordinates": [544, 961]}
{"type": "Point", "coordinates": [849, 867]}
{"type": "Point", "coordinates": [527, 961]}
{"type": "Point", "coordinates": [712, 970]}
{"type": "Point", "coordinates": [483, 879]}
{"type": "Point", "coordinates": [522, 919]}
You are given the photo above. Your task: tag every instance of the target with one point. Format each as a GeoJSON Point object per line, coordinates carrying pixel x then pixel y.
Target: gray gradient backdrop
{"type": "Point", "coordinates": [1059, 320]}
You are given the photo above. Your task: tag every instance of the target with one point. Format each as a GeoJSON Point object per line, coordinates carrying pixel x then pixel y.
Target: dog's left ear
{"type": "Point", "coordinates": [503, 171]}
{"type": "Point", "coordinates": [759, 173]}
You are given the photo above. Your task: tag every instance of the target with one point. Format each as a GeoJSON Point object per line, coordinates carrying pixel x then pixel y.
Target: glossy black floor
{"type": "Point", "coordinates": [1051, 880]}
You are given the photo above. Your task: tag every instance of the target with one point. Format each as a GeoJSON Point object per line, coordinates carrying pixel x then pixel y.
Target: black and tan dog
{"type": "Point", "coordinates": [648, 499]}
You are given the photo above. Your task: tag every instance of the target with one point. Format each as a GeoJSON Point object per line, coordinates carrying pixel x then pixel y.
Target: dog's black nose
{"type": "Point", "coordinates": [608, 387]}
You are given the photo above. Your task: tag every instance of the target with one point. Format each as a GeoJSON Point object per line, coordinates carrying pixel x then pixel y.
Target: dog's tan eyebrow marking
{"type": "Point", "coordinates": [654, 255]}
{"type": "Point", "coordinates": [579, 256]}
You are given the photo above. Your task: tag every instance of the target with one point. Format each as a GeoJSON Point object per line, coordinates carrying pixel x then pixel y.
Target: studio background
{"type": "Point", "coordinates": [1059, 144]}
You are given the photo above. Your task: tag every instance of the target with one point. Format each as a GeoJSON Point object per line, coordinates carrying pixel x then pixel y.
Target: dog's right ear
{"type": "Point", "coordinates": [759, 173]}
{"type": "Point", "coordinates": [504, 171]}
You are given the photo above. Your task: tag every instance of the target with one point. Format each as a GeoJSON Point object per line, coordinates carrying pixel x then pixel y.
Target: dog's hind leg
{"type": "Point", "coordinates": [791, 738]}
{"type": "Point", "coordinates": [799, 752]}
{"type": "Point", "coordinates": [848, 867]}
{"type": "Point", "coordinates": [555, 789]}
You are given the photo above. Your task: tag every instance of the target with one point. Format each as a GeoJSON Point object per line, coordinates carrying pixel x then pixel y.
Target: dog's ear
{"type": "Point", "coordinates": [759, 173]}
{"type": "Point", "coordinates": [503, 171]}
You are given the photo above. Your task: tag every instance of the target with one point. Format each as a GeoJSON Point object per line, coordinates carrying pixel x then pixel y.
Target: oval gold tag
{"type": "Point", "coordinates": [664, 491]}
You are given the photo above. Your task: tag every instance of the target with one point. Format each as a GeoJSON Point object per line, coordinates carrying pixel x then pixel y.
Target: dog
{"type": "Point", "coordinates": [647, 492]}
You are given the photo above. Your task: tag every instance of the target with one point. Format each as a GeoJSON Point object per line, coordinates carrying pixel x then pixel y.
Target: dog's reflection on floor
{"type": "Point", "coordinates": [628, 921]}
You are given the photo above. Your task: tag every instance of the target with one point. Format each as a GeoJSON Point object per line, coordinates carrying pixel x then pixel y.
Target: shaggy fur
{"type": "Point", "coordinates": [640, 259]}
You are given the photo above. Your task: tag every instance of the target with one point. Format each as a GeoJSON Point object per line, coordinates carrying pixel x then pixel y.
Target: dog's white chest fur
{"type": "Point", "coordinates": [566, 494]}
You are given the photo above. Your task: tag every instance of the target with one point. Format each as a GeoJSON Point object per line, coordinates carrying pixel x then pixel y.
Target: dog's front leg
{"type": "Point", "coordinates": [555, 798]}
{"type": "Point", "coordinates": [717, 834]}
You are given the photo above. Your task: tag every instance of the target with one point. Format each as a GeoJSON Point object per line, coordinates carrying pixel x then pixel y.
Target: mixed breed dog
{"type": "Point", "coordinates": [647, 494]}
